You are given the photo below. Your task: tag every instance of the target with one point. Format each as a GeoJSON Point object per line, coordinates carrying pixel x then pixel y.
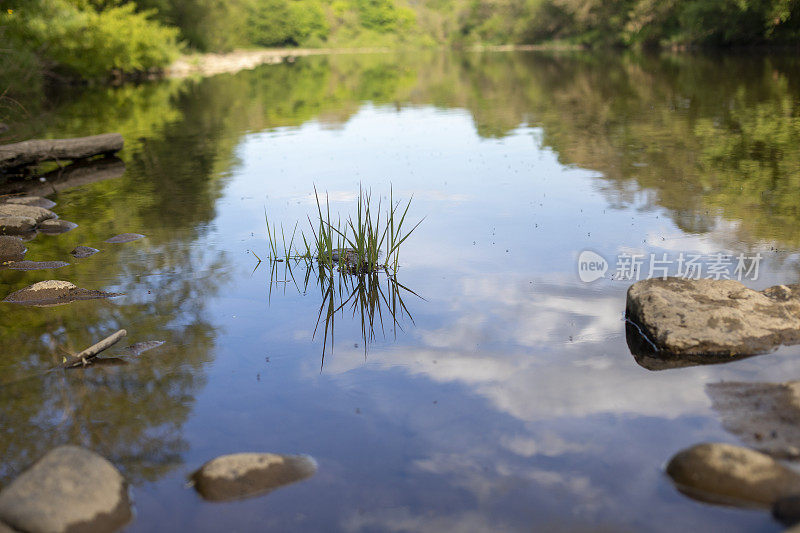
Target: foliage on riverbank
{"type": "Point", "coordinates": [633, 22]}
{"type": "Point", "coordinates": [69, 38]}
{"type": "Point", "coordinates": [93, 38]}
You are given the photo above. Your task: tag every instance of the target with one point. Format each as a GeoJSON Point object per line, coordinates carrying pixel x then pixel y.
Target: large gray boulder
{"type": "Point", "coordinates": [714, 317]}
{"type": "Point", "coordinates": [731, 475]}
{"type": "Point", "coordinates": [11, 248]}
{"type": "Point", "coordinates": [38, 201]}
{"type": "Point", "coordinates": [83, 251]}
{"type": "Point", "coordinates": [55, 226]}
{"type": "Point", "coordinates": [124, 237]}
{"type": "Point", "coordinates": [36, 265]}
{"type": "Point", "coordinates": [54, 292]}
{"type": "Point", "coordinates": [69, 489]}
{"type": "Point", "coordinates": [15, 225]}
{"type": "Point", "coordinates": [39, 214]}
{"type": "Point", "coordinates": [241, 475]}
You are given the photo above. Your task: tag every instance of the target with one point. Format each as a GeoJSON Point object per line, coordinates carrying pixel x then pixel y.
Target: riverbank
{"type": "Point", "coordinates": [211, 64]}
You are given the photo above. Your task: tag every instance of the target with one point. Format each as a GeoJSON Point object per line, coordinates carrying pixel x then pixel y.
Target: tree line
{"type": "Point", "coordinates": [91, 38]}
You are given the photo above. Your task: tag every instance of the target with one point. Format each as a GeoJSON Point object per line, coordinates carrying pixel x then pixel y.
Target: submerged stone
{"type": "Point", "coordinates": [764, 416]}
{"type": "Point", "coordinates": [731, 475]}
{"type": "Point", "coordinates": [54, 292]}
{"type": "Point", "coordinates": [241, 475]}
{"type": "Point", "coordinates": [70, 489]}
{"type": "Point", "coordinates": [36, 265]}
{"type": "Point", "coordinates": [11, 248]}
{"type": "Point", "coordinates": [141, 347]}
{"type": "Point", "coordinates": [37, 201]}
{"type": "Point", "coordinates": [714, 317]}
{"type": "Point", "coordinates": [55, 226]}
{"type": "Point", "coordinates": [14, 225]}
{"type": "Point", "coordinates": [39, 214]}
{"type": "Point", "coordinates": [83, 251]}
{"type": "Point", "coordinates": [124, 237]}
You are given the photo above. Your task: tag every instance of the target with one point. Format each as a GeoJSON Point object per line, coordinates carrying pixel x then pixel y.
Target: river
{"type": "Point", "coordinates": [502, 395]}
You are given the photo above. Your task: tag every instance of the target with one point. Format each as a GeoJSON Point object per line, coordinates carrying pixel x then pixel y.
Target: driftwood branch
{"type": "Point", "coordinates": [91, 352]}
{"type": "Point", "coordinates": [31, 152]}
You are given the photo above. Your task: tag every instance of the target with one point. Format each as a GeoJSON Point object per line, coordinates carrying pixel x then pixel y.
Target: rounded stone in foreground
{"type": "Point", "coordinates": [54, 292]}
{"type": "Point", "coordinates": [37, 201]}
{"type": "Point", "coordinates": [731, 475]}
{"type": "Point", "coordinates": [124, 237]}
{"type": "Point", "coordinates": [242, 475]}
{"type": "Point", "coordinates": [55, 226]}
{"type": "Point", "coordinates": [83, 251]}
{"type": "Point", "coordinates": [39, 214]}
{"type": "Point", "coordinates": [686, 317]}
{"type": "Point", "coordinates": [69, 489]}
{"type": "Point", "coordinates": [11, 248]}
{"type": "Point", "coordinates": [14, 225]}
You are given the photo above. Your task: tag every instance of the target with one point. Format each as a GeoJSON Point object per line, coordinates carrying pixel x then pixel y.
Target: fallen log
{"type": "Point", "coordinates": [83, 358]}
{"type": "Point", "coordinates": [26, 153]}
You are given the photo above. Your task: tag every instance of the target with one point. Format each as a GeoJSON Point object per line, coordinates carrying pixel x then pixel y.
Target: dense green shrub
{"type": "Point", "coordinates": [645, 22]}
{"type": "Point", "coordinates": [384, 15]}
{"type": "Point", "coordinates": [89, 43]}
{"type": "Point", "coordinates": [282, 22]}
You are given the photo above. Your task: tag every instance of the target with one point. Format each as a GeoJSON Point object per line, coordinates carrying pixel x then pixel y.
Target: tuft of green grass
{"type": "Point", "coordinates": [346, 257]}
{"type": "Point", "coordinates": [366, 243]}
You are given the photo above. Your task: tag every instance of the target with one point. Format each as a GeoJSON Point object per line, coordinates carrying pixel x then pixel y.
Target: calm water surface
{"type": "Point", "coordinates": [506, 397]}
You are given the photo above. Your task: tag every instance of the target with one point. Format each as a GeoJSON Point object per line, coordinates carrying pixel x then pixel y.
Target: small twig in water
{"type": "Point", "coordinates": [83, 358]}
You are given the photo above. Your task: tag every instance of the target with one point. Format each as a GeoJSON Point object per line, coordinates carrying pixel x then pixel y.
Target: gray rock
{"type": "Point", "coordinates": [11, 248]}
{"type": "Point", "coordinates": [787, 510]}
{"type": "Point", "coordinates": [37, 201]}
{"type": "Point", "coordinates": [124, 237]}
{"type": "Point", "coordinates": [13, 225]}
{"type": "Point", "coordinates": [140, 347]}
{"type": "Point", "coordinates": [83, 251]}
{"type": "Point", "coordinates": [39, 214]}
{"type": "Point", "coordinates": [764, 416]}
{"type": "Point", "coordinates": [650, 357]}
{"type": "Point", "coordinates": [731, 475]}
{"type": "Point", "coordinates": [54, 292]}
{"type": "Point", "coordinates": [69, 489]}
{"type": "Point", "coordinates": [55, 226]}
{"type": "Point", "coordinates": [241, 475]}
{"type": "Point", "coordinates": [714, 317]}
{"type": "Point", "coordinates": [36, 265]}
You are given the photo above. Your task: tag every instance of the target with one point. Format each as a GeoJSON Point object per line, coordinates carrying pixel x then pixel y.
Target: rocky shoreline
{"type": "Point", "coordinates": [212, 64]}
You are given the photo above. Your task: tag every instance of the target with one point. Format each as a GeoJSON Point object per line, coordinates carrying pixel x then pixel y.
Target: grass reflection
{"type": "Point", "coordinates": [374, 298]}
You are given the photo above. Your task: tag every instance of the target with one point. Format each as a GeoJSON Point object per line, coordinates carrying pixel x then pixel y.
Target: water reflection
{"type": "Point", "coordinates": [368, 295]}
